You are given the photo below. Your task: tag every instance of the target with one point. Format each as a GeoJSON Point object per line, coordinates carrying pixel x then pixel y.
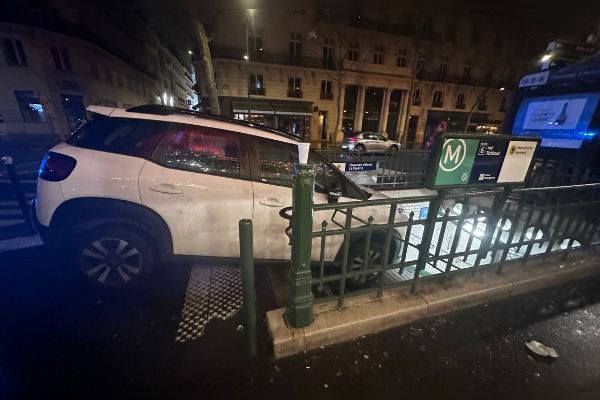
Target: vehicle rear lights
{"type": "Point", "coordinates": [353, 139]}
{"type": "Point", "coordinates": [56, 167]}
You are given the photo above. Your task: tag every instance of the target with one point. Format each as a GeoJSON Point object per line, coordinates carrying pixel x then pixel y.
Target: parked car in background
{"type": "Point", "coordinates": [370, 142]}
{"type": "Point", "coordinates": [131, 188]}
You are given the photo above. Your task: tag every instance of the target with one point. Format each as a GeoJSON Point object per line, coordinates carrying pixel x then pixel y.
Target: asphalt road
{"type": "Point", "coordinates": [58, 335]}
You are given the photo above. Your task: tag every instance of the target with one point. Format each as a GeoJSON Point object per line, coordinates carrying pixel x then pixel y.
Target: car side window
{"type": "Point", "coordinates": [378, 137]}
{"type": "Point", "coordinates": [126, 136]}
{"type": "Point", "coordinates": [370, 136]}
{"type": "Point", "coordinates": [200, 149]}
{"type": "Point", "coordinates": [277, 161]}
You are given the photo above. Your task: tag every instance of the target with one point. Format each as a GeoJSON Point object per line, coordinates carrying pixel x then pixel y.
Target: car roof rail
{"type": "Point", "coordinates": [158, 109]}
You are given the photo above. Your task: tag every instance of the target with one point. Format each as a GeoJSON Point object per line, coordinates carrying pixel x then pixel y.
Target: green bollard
{"type": "Point", "coordinates": [299, 310]}
{"type": "Point", "coordinates": [248, 287]}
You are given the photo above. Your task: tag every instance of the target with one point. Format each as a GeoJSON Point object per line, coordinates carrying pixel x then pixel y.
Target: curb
{"type": "Point", "coordinates": [366, 314]}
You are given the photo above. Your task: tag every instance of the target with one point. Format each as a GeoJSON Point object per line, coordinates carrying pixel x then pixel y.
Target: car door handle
{"type": "Point", "coordinates": [165, 188]}
{"type": "Point", "coordinates": [270, 202]}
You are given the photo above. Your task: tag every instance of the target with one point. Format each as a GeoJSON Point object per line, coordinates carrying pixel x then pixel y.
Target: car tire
{"type": "Point", "coordinates": [113, 258]}
{"type": "Point", "coordinates": [360, 148]}
{"type": "Point", "coordinates": [393, 149]}
{"type": "Point", "coordinates": [356, 258]}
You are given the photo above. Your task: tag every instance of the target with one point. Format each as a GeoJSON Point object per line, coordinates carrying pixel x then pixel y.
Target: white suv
{"type": "Point", "coordinates": [132, 187]}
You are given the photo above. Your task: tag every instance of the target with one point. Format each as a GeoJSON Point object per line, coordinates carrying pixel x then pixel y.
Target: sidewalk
{"type": "Point", "coordinates": [365, 314]}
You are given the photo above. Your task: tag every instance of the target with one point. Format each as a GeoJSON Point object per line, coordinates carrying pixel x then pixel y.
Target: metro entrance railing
{"type": "Point", "coordinates": [455, 229]}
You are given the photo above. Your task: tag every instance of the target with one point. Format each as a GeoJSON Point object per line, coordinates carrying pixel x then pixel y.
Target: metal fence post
{"type": "Point", "coordinates": [12, 173]}
{"type": "Point", "coordinates": [248, 287]}
{"type": "Point", "coordinates": [299, 310]}
{"type": "Point", "coordinates": [432, 215]}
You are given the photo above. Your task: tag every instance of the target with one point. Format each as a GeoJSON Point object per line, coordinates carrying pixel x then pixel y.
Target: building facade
{"type": "Point", "coordinates": [52, 67]}
{"type": "Point", "coordinates": [324, 74]}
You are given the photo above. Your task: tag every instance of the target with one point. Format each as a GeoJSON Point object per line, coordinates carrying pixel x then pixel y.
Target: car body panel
{"type": "Point", "coordinates": [101, 174]}
{"type": "Point", "coordinates": [204, 216]}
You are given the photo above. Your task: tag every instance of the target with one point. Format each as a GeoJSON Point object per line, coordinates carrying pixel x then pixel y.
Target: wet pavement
{"type": "Point", "coordinates": [57, 335]}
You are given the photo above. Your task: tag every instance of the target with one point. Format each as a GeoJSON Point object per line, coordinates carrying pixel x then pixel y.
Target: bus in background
{"type": "Point", "coordinates": [560, 105]}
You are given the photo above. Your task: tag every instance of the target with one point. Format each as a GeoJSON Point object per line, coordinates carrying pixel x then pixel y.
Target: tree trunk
{"type": "Point", "coordinates": [209, 73]}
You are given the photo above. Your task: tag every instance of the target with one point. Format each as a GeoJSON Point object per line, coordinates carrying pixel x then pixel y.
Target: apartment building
{"type": "Point", "coordinates": [324, 74]}
{"type": "Point", "coordinates": [53, 65]}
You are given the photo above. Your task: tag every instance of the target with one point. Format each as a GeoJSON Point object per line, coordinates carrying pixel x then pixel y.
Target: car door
{"type": "Point", "coordinates": [272, 172]}
{"type": "Point", "coordinates": [370, 142]}
{"type": "Point", "coordinates": [379, 142]}
{"type": "Point", "coordinates": [197, 181]}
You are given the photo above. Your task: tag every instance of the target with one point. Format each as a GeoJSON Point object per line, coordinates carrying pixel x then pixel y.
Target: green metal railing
{"type": "Point", "coordinates": [428, 235]}
{"type": "Point", "coordinates": [402, 169]}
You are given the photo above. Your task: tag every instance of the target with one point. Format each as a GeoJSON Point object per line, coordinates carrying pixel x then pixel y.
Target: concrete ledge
{"type": "Point", "coordinates": [463, 289]}
{"type": "Point", "coordinates": [365, 314]}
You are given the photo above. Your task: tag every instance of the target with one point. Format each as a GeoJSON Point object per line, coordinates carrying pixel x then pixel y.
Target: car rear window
{"type": "Point", "coordinates": [119, 135]}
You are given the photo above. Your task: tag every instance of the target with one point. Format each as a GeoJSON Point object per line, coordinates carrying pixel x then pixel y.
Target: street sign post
{"type": "Point", "coordinates": [464, 160]}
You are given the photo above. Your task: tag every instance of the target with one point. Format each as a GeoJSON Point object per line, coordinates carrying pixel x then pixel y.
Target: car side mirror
{"type": "Point", "coordinates": [334, 194]}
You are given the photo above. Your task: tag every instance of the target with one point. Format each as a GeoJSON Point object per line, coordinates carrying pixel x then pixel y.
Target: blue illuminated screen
{"type": "Point", "coordinates": [561, 121]}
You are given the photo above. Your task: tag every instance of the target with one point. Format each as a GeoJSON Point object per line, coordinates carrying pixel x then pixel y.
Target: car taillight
{"type": "Point", "coordinates": [353, 139]}
{"type": "Point", "coordinates": [56, 167]}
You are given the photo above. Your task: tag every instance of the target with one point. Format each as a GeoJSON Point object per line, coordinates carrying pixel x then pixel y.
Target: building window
{"type": "Point", "coordinates": [420, 65]}
{"type": "Point", "coordinates": [61, 58]}
{"type": "Point", "coordinates": [13, 51]}
{"type": "Point", "coordinates": [416, 97]}
{"type": "Point", "coordinates": [254, 47]}
{"type": "Point", "coordinates": [30, 106]}
{"type": "Point", "coordinates": [328, 53]}
{"type": "Point", "coordinates": [488, 78]}
{"type": "Point", "coordinates": [460, 101]}
{"type": "Point", "coordinates": [401, 58]}
{"type": "Point", "coordinates": [378, 55]}
{"type": "Point", "coordinates": [326, 90]}
{"type": "Point", "coordinates": [475, 36]}
{"type": "Point", "coordinates": [466, 78]}
{"type": "Point", "coordinates": [295, 47]}
{"type": "Point", "coordinates": [294, 87]}
{"type": "Point", "coordinates": [482, 106]}
{"type": "Point", "coordinates": [94, 67]}
{"type": "Point", "coordinates": [353, 52]}
{"type": "Point", "coordinates": [451, 31]}
{"type": "Point", "coordinates": [255, 84]}
{"type": "Point", "coordinates": [502, 107]}
{"type": "Point", "coordinates": [498, 43]}
{"type": "Point", "coordinates": [438, 99]}
{"type": "Point", "coordinates": [443, 69]}
{"type": "Point", "coordinates": [109, 77]}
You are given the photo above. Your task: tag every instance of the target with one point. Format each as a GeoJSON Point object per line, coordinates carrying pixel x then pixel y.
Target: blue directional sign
{"type": "Point", "coordinates": [488, 161]}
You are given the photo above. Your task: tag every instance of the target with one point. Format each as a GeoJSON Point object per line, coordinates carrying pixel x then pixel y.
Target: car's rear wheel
{"type": "Point", "coordinates": [114, 258]}
{"type": "Point", "coordinates": [359, 148]}
{"type": "Point", "coordinates": [393, 149]}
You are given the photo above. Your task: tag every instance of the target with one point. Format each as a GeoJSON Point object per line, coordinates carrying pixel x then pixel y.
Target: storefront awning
{"type": "Point", "coordinates": [277, 107]}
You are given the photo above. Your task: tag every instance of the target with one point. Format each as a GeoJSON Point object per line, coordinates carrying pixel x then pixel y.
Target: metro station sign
{"type": "Point", "coordinates": [462, 160]}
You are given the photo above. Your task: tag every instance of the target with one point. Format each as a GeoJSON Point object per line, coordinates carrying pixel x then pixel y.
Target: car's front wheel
{"type": "Point", "coordinates": [114, 257]}
{"type": "Point", "coordinates": [362, 264]}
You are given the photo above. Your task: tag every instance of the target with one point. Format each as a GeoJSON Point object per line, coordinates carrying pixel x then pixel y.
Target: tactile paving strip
{"type": "Point", "coordinates": [212, 292]}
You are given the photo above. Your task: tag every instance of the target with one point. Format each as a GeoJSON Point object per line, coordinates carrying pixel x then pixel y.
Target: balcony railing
{"type": "Point", "coordinates": [294, 93]}
{"type": "Point", "coordinates": [460, 106]}
{"type": "Point", "coordinates": [257, 91]}
{"type": "Point", "coordinates": [482, 107]}
{"type": "Point", "coordinates": [416, 103]}
{"type": "Point", "coordinates": [438, 104]}
{"type": "Point", "coordinates": [326, 96]}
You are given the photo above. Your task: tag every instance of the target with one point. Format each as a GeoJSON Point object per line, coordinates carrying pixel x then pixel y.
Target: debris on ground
{"type": "Point", "coordinates": [540, 352]}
